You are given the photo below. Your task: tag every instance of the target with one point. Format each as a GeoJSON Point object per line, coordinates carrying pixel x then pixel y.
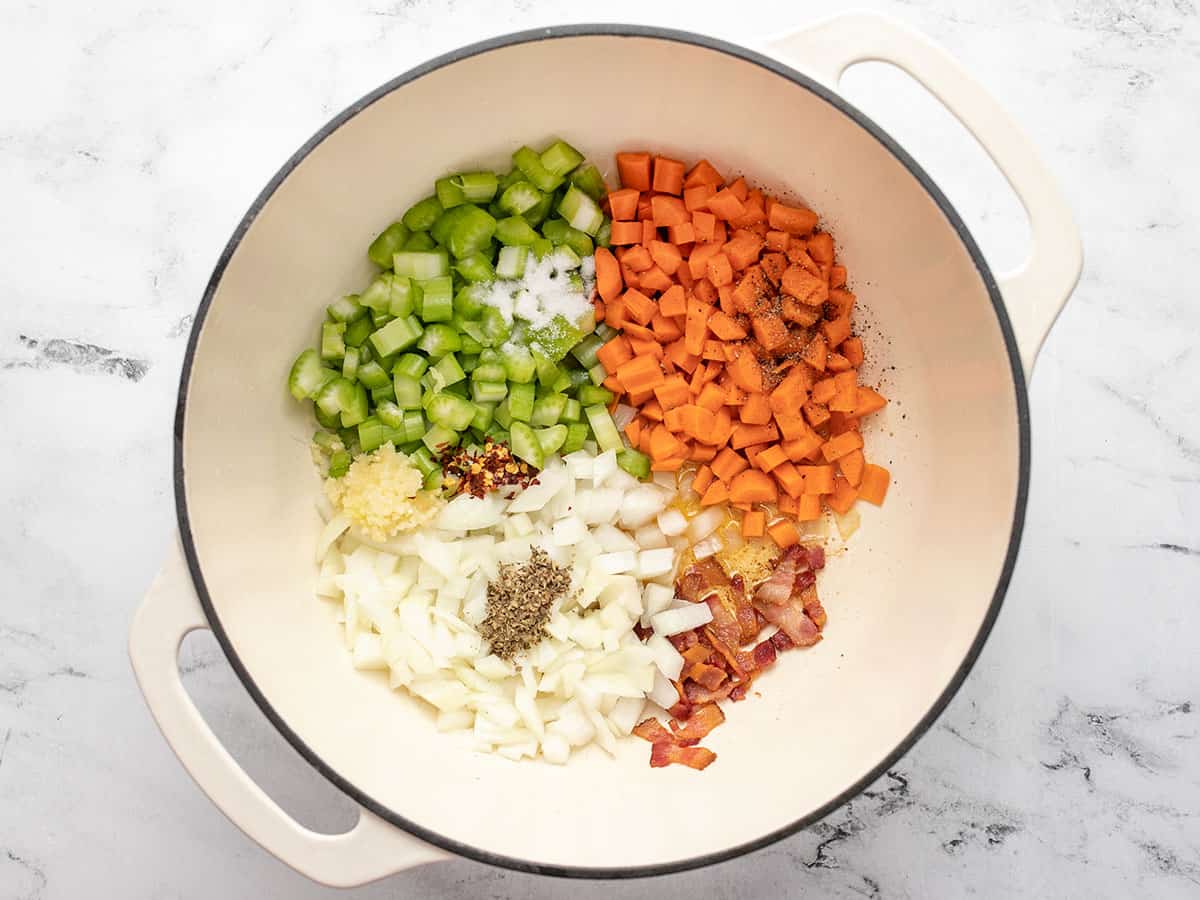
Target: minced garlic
{"type": "Point", "coordinates": [381, 494]}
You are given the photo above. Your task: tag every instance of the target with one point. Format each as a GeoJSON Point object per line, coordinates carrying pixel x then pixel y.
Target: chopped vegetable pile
{"type": "Point", "coordinates": [580, 445]}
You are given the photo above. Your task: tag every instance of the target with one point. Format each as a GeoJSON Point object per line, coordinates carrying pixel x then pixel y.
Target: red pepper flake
{"type": "Point", "coordinates": [480, 471]}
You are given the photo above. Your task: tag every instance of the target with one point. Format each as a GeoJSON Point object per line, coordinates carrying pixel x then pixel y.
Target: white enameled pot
{"type": "Point", "coordinates": [910, 605]}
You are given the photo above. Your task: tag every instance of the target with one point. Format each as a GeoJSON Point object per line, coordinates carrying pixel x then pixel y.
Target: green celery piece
{"type": "Point", "coordinates": [421, 264]}
{"type": "Point", "coordinates": [538, 213]}
{"type": "Point", "coordinates": [333, 342]}
{"type": "Point", "coordinates": [585, 350]}
{"type": "Point", "coordinates": [577, 434]}
{"type": "Point", "coordinates": [358, 331]}
{"type": "Point", "coordinates": [552, 438]}
{"type": "Point", "coordinates": [519, 198]}
{"type": "Point", "coordinates": [471, 348]}
{"type": "Point", "coordinates": [339, 463]}
{"type": "Point", "coordinates": [389, 241]}
{"type": "Point", "coordinates": [437, 299]}
{"type": "Point", "coordinates": [488, 391]}
{"type": "Point", "coordinates": [441, 229]}
{"type": "Point", "coordinates": [448, 193]}
{"type": "Point", "coordinates": [448, 371]}
{"type": "Point", "coordinates": [483, 416]}
{"type": "Point", "coordinates": [413, 364]}
{"type": "Point", "coordinates": [477, 187]}
{"type": "Point", "coordinates": [597, 374]}
{"type": "Point", "coordinates": [530, 163]}
{"type": "Point", "coordinates": [422, 215]}
{"type": "Point", "coordinates": [451, 411]}
{"type": "Point", "coordinates": [439, 339]}
{"type": "Point", "coordinates": [580, 211]}
{"type": "Point", "coordinates": [386, 393]}
{"type": "Point", "coordinates": [439, 439]}
{"type": "Point", "coordinates": [635, 463]}
{"type": "Point", "coordinates": [511, 263]}
{"type": "Point", "coordinates": [346, 309]}
{"type": "Point", "coordinates": [403, 296]}
{"type": "Point", "coordinates": [390, 414]}
{"type": "Point", "coordinates": [604, 235]}
{"type": "Point", "coordinates": [308, 377]}
{"type": "Point", "coordinates": [589, 180]}
{"type": "Point", "coordinates": [572, 411]}
{"type": "Point", "coordinates": [408, 391]}
{"type": "Point", "coordinates": [358, 409]}
{"type": "Point", "coordinates": [547, 409]}
{"type": "Point", "coordinates": [520, 401]}
{"type": "Point", "coordinates": [515, 231]}
{"type": "Point", "coordinates": [421, 240]}
{"type": "Point", "coordinates": [424, 461]}
{"type": "Point", "coordinates": [489, 371]}
{"type": "Point", "coordinates": [350, 363]}
{"type": "Point", "coordinates": [603, 427]}
{"type": "Point", "coordinates": [475, 267]}
{"type": "Point", "coordinates": [501, 414]}
{"type": "Point", "coordinates": [326, 420]}
{"type": "Point", "coordinates": [471, 233]}
{"type": "Point", "coordinates": [541, 248]}
{"type": "Point", "coordinates": [562, 384]}
{"type": "Point", "coordinates": [397, 335]}
{"type": "Point", "coordinates": [560, 158]}
{"type": "Point", "coordinates": [518, 363]}
{"type": "Point", "coordinates": [373, 375]}
{"type": "Point", "coordinates": [555, 339]}
{"type": "Point", "coordinates": [525, 445]}
{"type": "Point", "coordinates": [414, 426]}
{"type": "Point", "coordinates": [495, 331]}
{"type": "Point", "coordinates": [590, 395]}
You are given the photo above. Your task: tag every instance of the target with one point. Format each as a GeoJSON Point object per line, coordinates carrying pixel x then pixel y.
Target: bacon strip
{"type": "Point", "coordinates": [791, 619]}
{"type": "Point", "coordinates": [778, 588]}
{"type": "Point", "coordinates": [663, 754]}
{"type": "Point", "coordinates": [702, 720]}
{"type": "Point", "coordinates": [747, 620]}
{"type": "Point", "coordinates": [652, 730]}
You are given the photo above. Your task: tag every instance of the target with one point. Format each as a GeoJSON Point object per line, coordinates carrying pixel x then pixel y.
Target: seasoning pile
{"type": "Point", "coordinates": [480, 471]}
{"type": "Point", "coordinates": [519, 602]}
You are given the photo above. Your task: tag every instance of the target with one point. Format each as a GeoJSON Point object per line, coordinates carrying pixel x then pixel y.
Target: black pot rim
{"type": "Point", "coordinates": [1018, 375]}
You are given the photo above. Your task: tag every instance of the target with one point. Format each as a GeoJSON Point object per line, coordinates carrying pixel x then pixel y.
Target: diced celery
{"type": "Point", "coordinates": [541, 248]}
{"type": "Point", "coordinates": [562, 384]}
{"type": "Point", "coordinates": [403, 296]}
{"type": "Point", "coordinates": [547, 409]}
{"type": "Point", "coordinates": [308, 377]}
{"type": "Point", "coordinates": [566, 259]}
{"type": "Point", "coordinates": [537, 214]}
{"type": "Point", "coordinates": [333, 341]}
{"type": "Point", "coordinates": [422, 215]}
{"type": "Point", "coordinates": [606, 332]}
{"type": "Point", "coordinates": [390, 414]}
{"type": "Point", "coordinates": [448, 193]}
{"type": "Point", "coordinates": [552, 438]}
{"type": "Point", "coordinates": [519, 197]}
{"type": "Point", "coordinates": [437, 299]}
{"type": "Point", "coordinates": [560, 158]}
{"type": "Point", "coordinates": [515, 231]}
{"type": "Point", "coordinates": [471, 233]}
{"type": "Point", "coordinates": [530, 164]}
{"type": "Point", "coordinates": [325, 440]}
{"type": "Point", "coordinates": [590, 395]}
{"type": "Point", "coordinates": [498, 434]}
{"type": "Point", "coordinates": [408, 391]}
{"type": "Point", "coordinates": [604, 235]}
{"type": "Point", "coordinates": [415, 425]}
{"type": "Point", "coordinates": [446, 371]}
{"type": "Point", "coordinates": [339, 463]}
{"type": "Point", "coordinates": [346, 309]}
{"type": "Point", "coordinates": [597, 374]}
{"type": "Point", "coordinates": [547, 369]}
{"type": "Point", "coordinates": [525, 445]}
{"type": "Point", "coordinates": [511, 263]}
{"type": "Point", "coordinates": [327, 420]}
{"type": "Point", "coordinates": [561, 233]}
{"type": "Point", "coordinates": [578, 377]}
{"type": "Point", "coordinates": [572, 411]}
{"type": "Point", "coordinates": [585, 350]}
{"type": "Point", "coordinates": [420, 241]}
{"type": "Point", "coordinates": [589, 180]}
{"type": "Point", "coordinates": [502, 416]}
{"type": "Point", "coordinates": [439, 439]}
{"type": "Point", "coordinates": [555, 338]}
{"type": "Point", "coordinates": [390, 240]}
{"type": "Point", "coordinates": [580, 211]}
{"type": "Point", "coordinates": [483, 416]}
{"type": "Point", "coordinates": [441, 229]}
{"type": "Point", "coordinates": [350, 363]}
{"type": "Point", "coordinates": [373, 433]}
{"type": "Point", "coordinates": [489, 371]}
{"type": "Point", "coordinates": [379, 319]}
{"type": "Point", "coordinates": [495, 331]}
{"type": "Point", "coordinates": [424, 461]}
{"type": "Point", "coordinates": [518, 363]}
{"type": "Point", "coordinates": [411, 364]}
{"type": "Point", "coordinates": [468, 302]}
{"type": "Point", "coordinates": [577, 434]}
{"type": "Point", "coordinates": [358, 331]}
{"type": "Point", "coordinates": [421, 264]}
{"type": "Point", "coordinates": [358, 409]}
{"type": "Point", "coordinates": [635, 463]}
{"type": "Point", "coordinates": [477, 187]}
{"type": "Point", "coordinates": [438, 340]}
{"type": "Point", "coordinates": [397, 335]}
{"type": "Point", "coordinates": [603, 427]}
{"type": "Point", "coordinates": [373, 375]}
{"type": "Point", "coordinates": [385, 394]}
{"type": "Point", "coordinates": [488, 391]}
{"type": "Point", "coordinates": [451, 411]}
{"type": "Point", "coordinates": [475, 267]}
{"type": "Point", "coordinates": [520, 401]}
{"type": "Point", "coordinates": [471, 348]}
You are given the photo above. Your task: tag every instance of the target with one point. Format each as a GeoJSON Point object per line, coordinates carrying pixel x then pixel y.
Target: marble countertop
{"type": "Point", "coordinates": [132, 138]}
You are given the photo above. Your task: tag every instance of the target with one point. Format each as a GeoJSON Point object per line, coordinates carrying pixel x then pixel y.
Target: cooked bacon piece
{"type": "Point", "coordinates": [663, 754]}
{"type": "Point", "coordinates": [739, 692]}
{"type": "Point", "coordinates": [764, 655]}
{"type": "Point", "coordinates": [700, 579]}
{"type": "Point", "coordinates": [791, 619]}
{"type": "Point", "coordinates": [697, 653]}
{"type": "Point", "coordinates": [682, 709]}
{"type": "Point", "coordinates": [723, 624]}
{"type": "Point", "coordinates": [778, 588]}
{"type": "Point", "coordinates": [652, 730]}
{"type": "Point", "coordinates": [706, 676]}
{"type": "Point", "coordinates": [782, 641]}
{"type": "Point", "coordinates": [747, 619]}
{"type": "Point", "coordinates": [702, 720]}
{"type": "Point", "coordinates": [683, 640]}
{"type": "Point", "coordinates": [812, 606]}
{"type": "Point", "coordinates": [696, 694]}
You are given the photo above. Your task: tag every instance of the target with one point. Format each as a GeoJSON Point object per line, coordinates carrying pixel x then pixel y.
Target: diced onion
{"type": "Point", "coordinates": [676, 621]}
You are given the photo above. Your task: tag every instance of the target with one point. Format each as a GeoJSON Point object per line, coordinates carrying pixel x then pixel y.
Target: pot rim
{"type": "Point", "coordinates": [800, 80]}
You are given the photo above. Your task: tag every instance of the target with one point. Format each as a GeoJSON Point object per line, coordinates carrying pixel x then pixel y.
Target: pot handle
{"type": "Point", "coordinates": [1035, 293]}
{"type": "Point", "coordinates": [371, 849]}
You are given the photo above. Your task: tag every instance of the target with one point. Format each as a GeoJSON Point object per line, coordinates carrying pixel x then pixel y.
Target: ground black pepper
{"type": "Point", "coordinates": [519, 603]}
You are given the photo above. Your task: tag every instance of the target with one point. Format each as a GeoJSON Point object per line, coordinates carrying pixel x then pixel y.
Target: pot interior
{"type": "Point", "coordinates": [905, 604]}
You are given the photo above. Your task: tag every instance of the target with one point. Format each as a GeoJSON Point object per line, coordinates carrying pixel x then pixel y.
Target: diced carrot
{"type": "Point", "coordinates": [623, 203]}
{"type": "Point", "coordinates": [640, 373]}
{"type": "Point", "coordinates": [598, 310]}
{"type": "Point", "coordinates": [649, 232]}
{"type": "Point", "coordinates": [633, 430]}
{"type": "Point", "coordinates": [841, 301]}
{"type": "Point", "coordinates": [637, 258]}
{"type": "Point", "coordinates": [725, 327]}
{"type": "Point", "coordinates": [753, 486]}
{"type": "Point", "coordinates": [753, 288]}
{"type": "Point", "coordinates": [776, 240]}
{"type": "Point", "coordinates": [673, 302]}
{"type": "Point", "coordinates": [835, 362]}
{"type": "Point", "coordinates": [837, 276]}
{"type": "Point", "coordinates": [719, 232]}
{"type": "Point", "coordinates": [783, 533]}
{"type": "Point", "coordinates": [720, 271]}
{"type": "Point", "coordinates": [703, 478]}
{"type": "Point", "coordinates": [697, 381]}
{"type": "Point", "coordinates": [808, 507]}
{"type": "Point", "coordinates": [840, 423]}
{"type": "Point", "coordinates": [792, 219]}
{"type": "Point", "coordinates": [815, 353]}
{"type": "Point", "coordinates": [625, 233]}
{"type": "Point", "coordinates": [816, 413]}
{"type": "Point", "coordinates": [635, 331]}
{"type": "Point", "coordinates": [663, 444]}
{"type": "Point", "coordinates": [820, 247]}
{"type": "Point", "coordinates": [668, 210]}
{"type": "Point", "coordinates": [727, 464]}
{"type": "Point", "coordinates": [668, 175]}
{"type": "Point", "coordinates": [704, 291]}
{"type": "Point", "coordinates": [769, 331]}
{"type": "Point", "coordinates": [678, 354]}
{"type": "Point", "coordinates": [630, 277]}
{"type": "Point", "coordinates": [672, 392]}
{"type": "Point", "coordinates": [613, 354]}
{"type": "Point", "coordinates": [874, 486]}
{"type": "Point", "coordinates": [711, 397]}
{"type": "Point", "coordinates": [725, 299]}
{"type": "Point", "coordinates": [771, 457]}
{"type": "Point", "coordinates": [683, 233]}
{"type": "Point", "coordinates": [739, 188]}
{"type": "Point", "coordinates": [703, 173]}
{"type": "Point", "coordinates": [673, 419]}
{"type": "Point", "coordinates": [869, 401]}
{"type": "Point", "coordinates": [843, 496]}
{"type": "Point", "coordinates": [837, 447]}
{"type": "Point", "coordinates": [817, 479]}
{"type": "Point", "coordinates": [613, 384]}
{"type": "Point", "coordinates": [791, 425]}
{"type": "Point", "coordinates": [836, 330]}
{"type": "Point", "coordinates": [852, 349]}
{"type": "Point", "coordinates": [745, 435]}
{"type": "Point", "coordinates": [697, 262]}
{"type": "Point", "coordinates": [824, 390]}
{"type": "Point", "coordinates": [791, 393]}
{"type": "Point", "coordinates": [786, 474]}
{"type": "Point", "coordinates": [697, 326]}
{"type": "Point", "coordinates": [786, 504]}
{"type": "Point", "coordinates": [716, 493]}
{"type": "Point", "coordinates": [714, 351]}
{"type": "Point", "coordinates": [756, 410]}
{"type": "Point", "coordinates": [802, 284]}
{"type": "Point", "coordinates": [773, 266]}
{"type": "Point", "coordinates": [608, 274]}
{"type": "Point", "coordinates": [665, 329]}
{"type": "Point", "coordinates": [656, 280]}
{"type": "Point", "coordinates": [797, 252]}
{"type": "Point", "coordinates": [695, 198]}
{"type": "Point", "coordinates": [746, 372]}
{"type": "Point", "coordinates": [845, 400]}
{"type": "Point", "coordinates": [851, 466]}
{"type": "Point", "coordinates": [702, 453]}
{"type": "Point", "coordinates": [651, 409]}
{"type": "Point", "coordinates": [704, 225]}
{"type": "Point", "coordinates": [724, 204]}
{"type": "Point", "coordinates": [639, 307]}
{"type": "Point", "coordinates": [734, 395]}
{"type": "Point", "coordinates": [743, 249]}
{"type": "Point", "coordinates": [723, 429]}
{"type": "Point", "coordinates": [643, 209]}
{"type": "Point", "coordinates": [698, 423]}
{"type": "Point", "coordinates": [754, 523]}
{"type": "Point", "coordinates": [801, 447]}
{"type": "Point", "coordinates": [634, 170]}
{"type": "Point", "coordinates": [646, 346]}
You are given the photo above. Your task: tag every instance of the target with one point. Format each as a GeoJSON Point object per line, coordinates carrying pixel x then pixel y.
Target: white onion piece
{"type": "Point", "coordinates": [615, 563]}
{"type": "Point", "coordinates": [641, 505]}
{"type": "Point", "coordinates": [467, 513]}
{"type": "Point", "coordinates": [663, 693]}
{"type": "Point", "coordinates": [569, 531]}
{"type": "Point", "coordinates": [604, 467]}
{"type": "Point", "coordinates": [672, 522]}
{"type": "Point", "coordinates": [666, 658]}
{"type": "Point", "coordinates": [626, 714]}
{"type": "Point", "coordinates": [710, 546]}
{"type": "Point", "coordinates": [650, 537]}
{"type": "Point", "coordinates": [676, 621]}
{"type": "Point", "coordinates": [623, 415]}
{"type": "Point", "coordinates": [653, 563]}
{"type": "Point", "coordinates": [333, 530]}
{"type": "Point", "coordinates": [704, 523]}
{"type": "Point", "coordinates": [556, 748]}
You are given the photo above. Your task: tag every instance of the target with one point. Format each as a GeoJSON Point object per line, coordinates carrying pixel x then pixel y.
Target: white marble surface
{"type": "Point", "coordinates": [132, 138]}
